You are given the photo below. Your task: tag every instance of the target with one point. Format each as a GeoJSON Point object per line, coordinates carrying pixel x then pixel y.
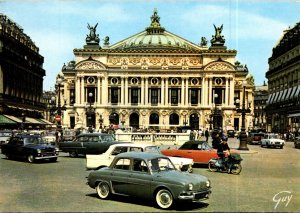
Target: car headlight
{"type": "Point", "coordinates": [190, 186]}
{"type": "Point", "coordinates": [39, 151]}
{"type": "Point", "coordinates": [207, 183]}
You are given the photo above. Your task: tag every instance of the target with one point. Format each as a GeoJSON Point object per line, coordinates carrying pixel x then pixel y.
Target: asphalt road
{"type": "Point", "coordinates": [269, 182]}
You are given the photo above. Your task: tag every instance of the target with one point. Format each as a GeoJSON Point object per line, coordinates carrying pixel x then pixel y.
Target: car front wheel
{"type": "Point", "coordinates": [73, 154]}
{"type": "Point", "coordinates": [164, 198]}
{"type": "Point", "coordinates": [30, 158]}
{"type": "Point", "coordinates": [103, 190]}
{"type": "Point", "coordinates": [212, 167]}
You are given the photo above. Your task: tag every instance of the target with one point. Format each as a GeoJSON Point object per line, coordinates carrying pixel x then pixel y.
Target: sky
{"type": "Point", "coordinates": [252, 27]}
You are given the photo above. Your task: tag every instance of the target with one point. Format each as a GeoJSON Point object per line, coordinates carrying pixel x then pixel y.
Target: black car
{"type": "Point", "coordinates": [88, 143]}
{"type": "Point", "coordinates": [230, 133]}
{"type": "Point", "coordinates": [297, 142]}
{"type": "Point", "coordinates": [30, 147]}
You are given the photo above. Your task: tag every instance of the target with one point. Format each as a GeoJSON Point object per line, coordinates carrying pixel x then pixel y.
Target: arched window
{"type": "Point", "coordinates": [174, 119]}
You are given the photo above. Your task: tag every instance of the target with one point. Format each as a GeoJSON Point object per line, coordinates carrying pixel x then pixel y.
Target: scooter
{"type": "Point", "coordinates": [232, 165]}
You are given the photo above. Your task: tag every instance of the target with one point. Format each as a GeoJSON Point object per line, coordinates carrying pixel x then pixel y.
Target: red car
{"type": "Point", "coordinates": [200, 151]}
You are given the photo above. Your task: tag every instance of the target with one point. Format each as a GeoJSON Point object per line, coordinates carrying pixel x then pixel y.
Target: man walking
{"type": "Point", "coordinates": [206, 135]}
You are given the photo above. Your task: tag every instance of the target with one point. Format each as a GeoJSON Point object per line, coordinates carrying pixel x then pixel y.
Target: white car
{"type": "Point", "coordinates": [103, 160]}
{"type": "Point", "coordinates": [272, 140]}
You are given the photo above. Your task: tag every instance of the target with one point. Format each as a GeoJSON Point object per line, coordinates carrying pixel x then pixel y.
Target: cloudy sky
{"type": "Point", "coordinates": [252, 27]}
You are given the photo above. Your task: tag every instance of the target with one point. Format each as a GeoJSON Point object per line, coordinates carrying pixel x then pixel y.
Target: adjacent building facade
{"type": "Point", "coordinates": [283, 104]}
{"type": "Point", "coordinates": [155, 79]}
{"type": "Point", "coordinates": [261, 94]}
{"type": "Point", "coordinates": [21, 78]}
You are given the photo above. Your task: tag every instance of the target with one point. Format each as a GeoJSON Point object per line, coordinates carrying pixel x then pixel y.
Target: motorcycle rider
{"type": "Point", "coordinates": [222, 150]}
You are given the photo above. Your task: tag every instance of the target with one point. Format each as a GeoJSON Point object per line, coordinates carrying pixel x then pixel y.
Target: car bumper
{"type": "Point", "coordinates": [45, 157]}
{"type": "Point", "coordinates": [195, 196]}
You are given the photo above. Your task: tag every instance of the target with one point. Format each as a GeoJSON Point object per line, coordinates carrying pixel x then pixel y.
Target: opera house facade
{"type": "Point", "coordinates": [155, 79]}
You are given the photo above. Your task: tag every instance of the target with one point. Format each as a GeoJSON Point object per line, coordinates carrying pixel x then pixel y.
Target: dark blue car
{"type": "Point", "coordinates": [30, 147]}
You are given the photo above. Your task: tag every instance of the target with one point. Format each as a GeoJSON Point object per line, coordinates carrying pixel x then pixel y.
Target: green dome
{"type": "Point", "coordinates": [156, 37]}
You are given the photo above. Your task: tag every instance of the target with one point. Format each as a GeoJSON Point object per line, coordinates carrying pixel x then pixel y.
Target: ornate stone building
{"type": "Point", "coordinates": [155, 79]}
{"type": "Point", "coordinates": [283, 105]}
{"type": "Point", "coordinates": [21, 77]}
{"type": "Point", "coordinates": [261, 94]}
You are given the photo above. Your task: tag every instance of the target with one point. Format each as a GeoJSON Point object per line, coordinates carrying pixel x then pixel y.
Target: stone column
{"type": "Point", "coordinates": [98, 91]}
{"type": "Point", "coordinates": [162, 91]}
{"type": "Point", "coordinates": [182, 91]}
{"type": "Point", "coordinates": [186, 91]}
{"type": "Point", "coordinates": [122, 91]}
{"type": "Point", "coordinates": [126, 91]}
{"type": "Point", "coordinates": [203, 93]}
{"type": "Point", "coordinates": [82, 91]}
{"type": "Point", "coordinates": [104, 91]}
{"type": "Point", "coordinates": [231, 88]}
{"type": "Point", "coordinates": [209, 91]}
{"type": "Point", "coordinates": [142, 91]}
{"type": "Point", "coordinates": [167, 92]}
{"type": "Point", "coordinates": [77, 90]}
{"type": "Point", "coordinates": [147, 91]}
{"type": "Point", "coordinates": [226, 92]}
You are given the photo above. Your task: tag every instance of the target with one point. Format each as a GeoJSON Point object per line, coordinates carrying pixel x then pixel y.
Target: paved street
{"type": "Point", "coordinates": [269, 181]}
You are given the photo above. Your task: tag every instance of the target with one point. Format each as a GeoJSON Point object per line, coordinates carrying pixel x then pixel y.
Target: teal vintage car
{"type": "Point", "coordinates": [149, 176]}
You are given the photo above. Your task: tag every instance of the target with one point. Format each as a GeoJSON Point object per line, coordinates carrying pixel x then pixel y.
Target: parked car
{"type": "Point", "coordinates": [149, 176]}
{"type": "Point", "coordinates": [49, 139]}
{"type": "Point", "coordinates": [255, 138]}
{"type": "Point", "coordinates": [200, 151]}
{"type": "Point", "coordinates": [105, 159]}
{"type": "Point", "coordinates": [297, 142]}
{"type": "Point", "coordinates": [30, 147]}
{"type": "Point", "coordinates": [230, 133]}
{"type": "Point", "coordinates": [272, 140]}
{"type": "Point", "coordinates": [68, 135]}
{"type": "Point", "coordinates": [88, 143]}
{"type": "Point", "coordinates": [5, 136]}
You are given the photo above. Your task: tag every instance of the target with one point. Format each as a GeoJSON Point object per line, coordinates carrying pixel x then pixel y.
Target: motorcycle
{"type": "Point", "coordinates": [231, 165]}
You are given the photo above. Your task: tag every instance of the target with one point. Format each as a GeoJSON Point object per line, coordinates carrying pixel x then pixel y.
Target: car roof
{"type": "Point", "coordinates": [93, 134]}
{"type": "Point", "coordinates": [24, 135]}
{"type": "Point", "coordinates": [132, 145]}
{"type": "Point", "coordinates": [194, 142]}
{"type": "Point", "coordinates": [142, 155]}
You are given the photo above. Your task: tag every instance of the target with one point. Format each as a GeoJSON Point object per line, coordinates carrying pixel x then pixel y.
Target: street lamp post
{"type": "Point", "coordinates": [90, 111]}
{"type": "Point", "coordinates": [59, 108]}
{"type": "Point", "coordinates": [243, 111]}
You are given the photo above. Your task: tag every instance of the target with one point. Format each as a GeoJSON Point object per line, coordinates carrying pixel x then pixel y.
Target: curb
{"type": "Point", "coordinates": [246, 152]}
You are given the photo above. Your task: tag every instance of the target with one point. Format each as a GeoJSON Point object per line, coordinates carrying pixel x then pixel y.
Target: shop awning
{"type": "Point", "coordinates": [297, 92]}
{"type": "Point", "coordinates": [15, 119]}
{"type": "Point", "coordinates": [46, 122]}
{"type": "Point", "coordinates": [269, 98]}
{"type": "Point", "coordinates": [294, 115]}
{"type": "Point", "coordinates": [272, 97]}
{"type": "Point", "coordinates": [283, 95]}
{"type": "Point", "coordinates": [288, 94]}
{"type": "Point", "coordinates": [276, 97]}
{"type": "Point", "coordinates": [4, 120]}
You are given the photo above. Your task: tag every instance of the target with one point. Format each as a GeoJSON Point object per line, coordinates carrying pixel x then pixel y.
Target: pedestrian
{"type": "Point", "coordinates": [206, 135]}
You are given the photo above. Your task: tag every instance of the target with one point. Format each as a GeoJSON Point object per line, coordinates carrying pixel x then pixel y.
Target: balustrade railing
{"type": "Point", "coordinates": [154, 138]}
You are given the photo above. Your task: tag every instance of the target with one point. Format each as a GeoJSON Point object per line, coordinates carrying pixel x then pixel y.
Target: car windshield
{"type": "Point", "coordinates": [5, 134]}
{"type": "Point", "coordinates": [33, 140]}
{"type": "Point", "coordinates": [161, 164]}
{"type": "Point", "coordinates": [273, 136]}
{"type": "Point", "coordinates": [107, 138]}
{"type": "Point", "coordinates": [152, 149]}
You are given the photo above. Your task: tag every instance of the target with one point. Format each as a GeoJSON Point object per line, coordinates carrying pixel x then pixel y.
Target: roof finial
{"type": "Point", "coordinates": [155, 27]}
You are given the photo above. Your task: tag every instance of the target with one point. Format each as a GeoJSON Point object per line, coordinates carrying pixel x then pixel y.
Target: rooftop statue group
{"type": "Point", "coordinates": [92, 38]}
{"type": "Point", "coordinates": [218, 39]}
